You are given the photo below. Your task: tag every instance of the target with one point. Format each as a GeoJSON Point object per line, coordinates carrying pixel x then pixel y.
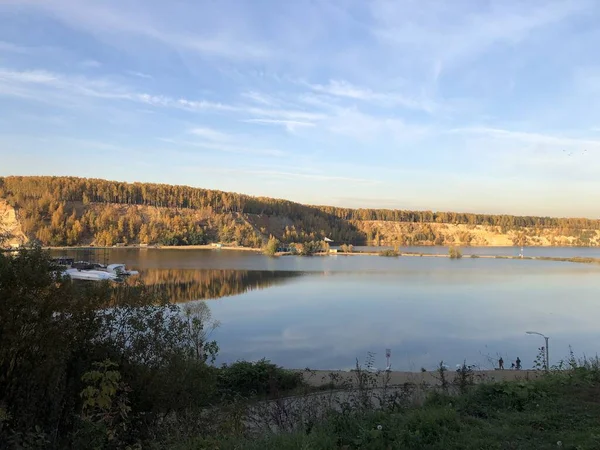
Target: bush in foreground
{"type": "Point", "coordinates": [257, 378]}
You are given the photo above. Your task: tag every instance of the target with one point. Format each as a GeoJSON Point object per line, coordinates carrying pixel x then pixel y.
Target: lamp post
{"type": "Point", "coordinates": [547, 351]}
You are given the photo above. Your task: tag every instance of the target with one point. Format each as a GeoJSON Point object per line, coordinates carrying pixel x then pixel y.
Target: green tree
{"type": "Point", "coordinates": [271, 247]}
{"type": "Point", "coordinates": [199, 325]}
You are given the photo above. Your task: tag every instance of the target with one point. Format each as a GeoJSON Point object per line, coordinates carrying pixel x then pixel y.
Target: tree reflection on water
{"type": "Point", "coordinates": [184, 285]}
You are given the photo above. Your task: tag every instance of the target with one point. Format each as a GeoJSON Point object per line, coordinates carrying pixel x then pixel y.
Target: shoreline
{"type": "Point", "coordinates": [576, 259]}
{"type": "Point", "coordinates": [318, 378]}
{"type": "Point", "coordinates": [158, 247]}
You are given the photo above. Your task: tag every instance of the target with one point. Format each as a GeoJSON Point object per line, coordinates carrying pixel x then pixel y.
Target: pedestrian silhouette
{"type": "Point", "coordinates": [518, 363]}
{"type": "Point", "coordinates": [501, 363]}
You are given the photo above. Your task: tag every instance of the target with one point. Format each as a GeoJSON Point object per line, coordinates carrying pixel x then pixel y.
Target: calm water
{"type": "Point", "coordinates": [324, 312]}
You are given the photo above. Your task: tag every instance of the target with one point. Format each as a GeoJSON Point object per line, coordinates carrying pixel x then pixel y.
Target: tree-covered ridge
{"type": "Point", "coordinates": [70, 211]}
{"type": "Point", "coordinates": [163, 195]}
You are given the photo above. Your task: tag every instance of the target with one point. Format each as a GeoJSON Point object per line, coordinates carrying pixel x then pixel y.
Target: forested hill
{"type": "Point", "coordinates": [70, 211]}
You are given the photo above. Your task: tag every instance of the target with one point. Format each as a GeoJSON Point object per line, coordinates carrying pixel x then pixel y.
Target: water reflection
{"type": "Point", "coordinates": [184, 285]}
{"type": "Point", "coordinates": [446, 312]}
{"type": "Point", "coordinates": [323, 312]}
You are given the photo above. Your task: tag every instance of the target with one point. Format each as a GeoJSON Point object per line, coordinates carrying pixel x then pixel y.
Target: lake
{"type": "Point", "coordinates": [324, 312]}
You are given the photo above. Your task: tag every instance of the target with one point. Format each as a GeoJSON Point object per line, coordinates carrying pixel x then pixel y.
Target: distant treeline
{"type": "Point", "coordinates": [67, 210]}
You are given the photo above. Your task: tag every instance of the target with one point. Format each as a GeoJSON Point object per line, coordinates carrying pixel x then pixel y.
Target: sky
{"type": "Point", "coordinates": [470, 105]}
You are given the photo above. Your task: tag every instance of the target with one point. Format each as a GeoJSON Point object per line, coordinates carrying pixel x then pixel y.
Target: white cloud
{"type": "Point", "coordinates": [344, 89]}
{"type": "Point", "coordinates": [260, 98]}
{"type": "Point", "coordinates": [33, 83]}
{"type": "Point", "coordinates": [290, 125]}
{"type": "Point", "coordinates": [210, 134]}
{"type": "Point", "coordinates": [531, 138]}
{"type": "Point", "coordinates": [287, 114]}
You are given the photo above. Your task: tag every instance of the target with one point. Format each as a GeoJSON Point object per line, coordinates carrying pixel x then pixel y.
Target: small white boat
{"type": "Point", "coordinates": [120, 270]}
{"type": "Point", "coordinates": [90, 275]}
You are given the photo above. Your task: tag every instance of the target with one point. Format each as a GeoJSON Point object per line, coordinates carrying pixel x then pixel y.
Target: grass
{"type": "Point", "coordinates": [557, 411]}
{"type": "Point", "coordinates": [390, 253]}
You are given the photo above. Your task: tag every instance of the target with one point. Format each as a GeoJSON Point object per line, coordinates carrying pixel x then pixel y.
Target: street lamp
{"type": "Point", "coordinates": [547, 351]}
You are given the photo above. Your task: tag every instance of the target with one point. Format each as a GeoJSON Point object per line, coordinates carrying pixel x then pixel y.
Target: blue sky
{"type": "Point", "coordinates": [483, 106]}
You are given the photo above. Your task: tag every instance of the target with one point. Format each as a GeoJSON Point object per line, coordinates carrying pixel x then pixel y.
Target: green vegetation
{"type": "Point", "coordinates": [72, 211]}
{"type": "Point", "coordinates": [558, 410]}
{"type": "Point", "coordinates": [389, 252]}
{"type": "Point", "coordinates": [259, 378]}
{"type": "Point", "coordinates": [93, 365]}
{"type": "Point", "coordinates": [311, 247]}
{"type": "Point", "coordinates": [271, 248]}
{"type": "Point", "coordinates": [455, 253]}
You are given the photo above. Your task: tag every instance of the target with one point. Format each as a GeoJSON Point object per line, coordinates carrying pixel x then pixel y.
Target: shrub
{"type": "Point", "coordinates": [389, 253]}
{"type": "Point", "coordinates": [271, 248]}
{"type": "Point", "coordinates": [257, 378]}
{"type": "Point", "coordinates": [346, 248]}
{"type": "Point", "coordinates": [454, 253]}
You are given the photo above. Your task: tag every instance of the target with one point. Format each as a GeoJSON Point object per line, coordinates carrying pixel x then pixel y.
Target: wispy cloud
{"type": "Point", "coordinates": [444, 34]}
{"type": "Point", "coordinates": [77, 85]}
{"type": "Point", "coordinates": [109, 20]}
{"type": "Point", "coordinates": [290, 125]}
{"type": "Point", "coordinates": [261, 98]}
{"type": "Point", "coordinates": [226, 147]}
{"type": "Point", "coordinates": [28, 83]}
{"type": "Point", "coordinates": [342, 88]}
{"type": "Point", "coordinates": [138, 74]}
{"type": "Point", "coordinates": [287, 114]}
{"type": "Point", "coordinates": [531, 138]}
{"type": "Point", "coordinates": [210, 134]}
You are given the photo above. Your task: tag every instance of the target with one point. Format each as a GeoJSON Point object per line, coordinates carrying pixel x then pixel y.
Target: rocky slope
{"type": "Point", "coordinates": [10, 225]}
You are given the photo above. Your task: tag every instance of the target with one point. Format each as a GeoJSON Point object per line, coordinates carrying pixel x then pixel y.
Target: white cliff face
{"type": "Point", "coordinates": [9, 223]}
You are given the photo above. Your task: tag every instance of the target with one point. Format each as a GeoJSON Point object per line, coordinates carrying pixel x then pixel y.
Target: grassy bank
{"type": "Point", "coordinates": [558, 410]}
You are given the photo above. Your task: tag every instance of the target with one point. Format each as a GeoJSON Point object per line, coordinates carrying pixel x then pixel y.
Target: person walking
{"type": "Point", "coordinates": [501, 363]}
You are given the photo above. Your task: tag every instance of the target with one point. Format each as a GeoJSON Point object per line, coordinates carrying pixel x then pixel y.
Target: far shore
{"type": "Point", "coordinates": [584, 260]}
{"type": "Point", "coordinates": [160, 247]}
